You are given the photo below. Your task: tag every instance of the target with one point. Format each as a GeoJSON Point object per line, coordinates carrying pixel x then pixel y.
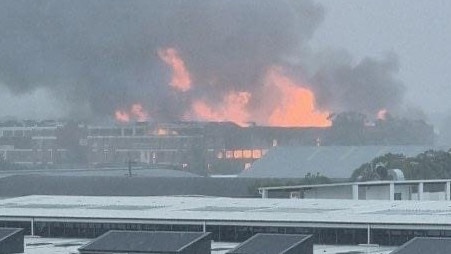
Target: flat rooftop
{"type": "Point", "coordinates": [232, 211]}
{"type": "Point", "coordinates": [38, 245]}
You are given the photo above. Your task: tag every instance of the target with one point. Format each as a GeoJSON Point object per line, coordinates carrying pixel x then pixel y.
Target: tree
{"type": "Point", "coordinates": [430, 164]}
{"type": "Point", "coordinates": [348, 128]}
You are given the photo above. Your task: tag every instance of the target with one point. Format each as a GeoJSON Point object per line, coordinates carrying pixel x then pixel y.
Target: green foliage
{"type": "Point", "coordinates": [427, 165]}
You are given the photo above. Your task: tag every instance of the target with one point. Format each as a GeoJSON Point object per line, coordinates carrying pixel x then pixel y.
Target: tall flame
{"type": "Point", "coordinates": [286, 103]}
{"type": "Point", "coordinates": [136, 112]}
{"type": "Point", "coordinates": [232, 108]}
{"type": "Point", "coordinates": [122, 116]}
{"type": "Point", "coordinates": [297, 105]}
{"type": "Point", "coordinates": [382, 114]}
{"type": "Point", "coordinates": [181, 78]}
{"type": "Point", "coordinates": [139, 113]}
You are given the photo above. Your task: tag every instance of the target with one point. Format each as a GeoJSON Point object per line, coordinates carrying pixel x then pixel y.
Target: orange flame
{"type": "Point", "coordinates": [297, 107]}
{"type": "Point", "coordinates": [122, 116]}
{"type": "Point", "coordinates": [139, 113]}
{"type": "Point", "coordinates": [181, 78]}
{"type": "Point", "coordinates": [233, 108]}
{"type": "Point", "coordinates": [136, 112]}
{"type": "Point", "coordinates": [382, 114]}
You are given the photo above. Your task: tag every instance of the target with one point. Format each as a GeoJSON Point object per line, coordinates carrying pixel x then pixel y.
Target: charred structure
{"type": "Point", "coordinates": [200, 147]}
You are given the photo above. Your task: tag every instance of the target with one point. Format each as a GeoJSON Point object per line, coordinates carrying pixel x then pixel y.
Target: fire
{"type": "Point", "coordinates": [297, 105]}
{"type": "Point", "coordinates": [139, 113]}
{"type": "Point", "coordinates": [232, 108]}
{"type": "Point", "coordinates": [122, 116]}
{"type": "Point", "coordinates": [382, 114]}
{"type": "Point", "coordinates": [136, 112]}
{"type": "Point", "coordinates": [290, 104]}
{"type": "Point", "coordinates": [181, 78]}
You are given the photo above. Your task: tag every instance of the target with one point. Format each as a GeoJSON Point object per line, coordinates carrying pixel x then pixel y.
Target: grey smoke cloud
{"type": "Point", "coordinates": [97, 56]}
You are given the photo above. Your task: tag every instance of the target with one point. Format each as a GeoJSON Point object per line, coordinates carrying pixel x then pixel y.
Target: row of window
{"type": "Point", "coordinates": [231, 233]}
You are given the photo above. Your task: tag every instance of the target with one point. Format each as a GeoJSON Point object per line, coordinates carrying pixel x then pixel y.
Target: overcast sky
{"type": "Point", "coordinates": [419, 31]}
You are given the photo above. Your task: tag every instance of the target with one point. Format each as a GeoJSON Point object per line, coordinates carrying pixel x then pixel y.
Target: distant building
{"type": "Point", "coordinates": [32, 143]}
{"type": "Point", "coordinates": [376, 190]}
{"type": "Point", "coordinates": [166, 145]}
{"type": "Point", "coordinates": [201, 147]}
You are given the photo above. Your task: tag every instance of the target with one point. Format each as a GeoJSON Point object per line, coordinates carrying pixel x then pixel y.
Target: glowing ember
{"type": "Point", "coordinates": [136, 112]}
{"type": "Point", "coordinates": [382, 114]}
{"type": "Point", "coordinates": [139, 113]}
{"type": "Point", "coordinates": [181, 78]}
{"type": "Point", "coordinates": [233, 108]}
{"type": "Point", "coordinates": [297, 105]}
{"type": "Point", "coordinates": [122, 116]}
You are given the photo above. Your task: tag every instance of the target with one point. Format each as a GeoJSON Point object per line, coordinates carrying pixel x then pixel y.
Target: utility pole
{"type": "Point", "coordinates": [129, 167]}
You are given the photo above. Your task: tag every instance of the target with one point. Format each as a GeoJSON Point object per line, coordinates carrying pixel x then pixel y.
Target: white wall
{"type": "Point", "coordinates": [430, 196]}
{"type": "Point", "coordinates": [332, 192]}
{"type": "Point", "coordinates": [374, 192]}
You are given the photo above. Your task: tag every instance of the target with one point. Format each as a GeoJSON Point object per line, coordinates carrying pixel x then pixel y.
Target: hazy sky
{"type": "Point", "coordinates": [418, 31]}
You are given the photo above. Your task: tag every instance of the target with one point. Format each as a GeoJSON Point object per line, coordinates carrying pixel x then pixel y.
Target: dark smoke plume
{"type": "Point", "coordinates": [97, 56]}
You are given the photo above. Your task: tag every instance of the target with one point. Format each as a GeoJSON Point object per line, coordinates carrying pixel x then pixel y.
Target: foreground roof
{"type": "Point", "coordinates": [6, 232]}
{"type": "Point", "coordinates": [42, 245]}
{"type": "Point", "coordinates": [139, 185]}
{"type": "Point", "coordinates": [422, 245]}
{"type": "Point", "coordinates": [142, 241]}
{"type": "Point", "coordinates": [200, 210]}
{"type": "Point", "coordinates": [270, 244]}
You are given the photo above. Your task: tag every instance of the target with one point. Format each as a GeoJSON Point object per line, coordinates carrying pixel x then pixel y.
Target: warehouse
{"type": "Point", "coordinates": [436, 189]}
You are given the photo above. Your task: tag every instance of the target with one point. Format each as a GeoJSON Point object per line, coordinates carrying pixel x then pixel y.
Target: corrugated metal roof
{"type": "Point", "coordinates": [124, 186]}
{"type": "Point", "coordinates": [142, 241]}
{"type": "Point", "coordinates": [269, 244]}
{"type": "Point", "coordinates": [234, 211]}
{"type": "Point", "coordinates": [330, 161]}
{"type": "Point", "coordinates": [423, 245]}
{"type": "Point", "coordinates": [6, 232]}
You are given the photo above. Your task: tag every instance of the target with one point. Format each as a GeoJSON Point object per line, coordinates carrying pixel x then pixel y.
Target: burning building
{"type": "Point", "coordinates": [201, 147]}
{"type": "Point", "coordinates": [175, 146]}
{"type": "Point", "coordinates": [207, 73]}
{"type": "Point", "coordinates": [33, 142]}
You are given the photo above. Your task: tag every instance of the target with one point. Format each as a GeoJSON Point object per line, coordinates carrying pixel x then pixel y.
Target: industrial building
{"type": "Point", "coordinates": [438, 189]}
{"type": "Point", "coordinates": [343, 222]}
{"type": "Point", "coordinates": [201, 147]}
{"type": "Point", "coordinates": [32, 143]}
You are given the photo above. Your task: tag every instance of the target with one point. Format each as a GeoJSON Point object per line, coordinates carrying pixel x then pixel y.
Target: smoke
{"type": "Point", "coordinates": [99, 56]}
{"type": "Point", "coordinates": [368, 86]}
